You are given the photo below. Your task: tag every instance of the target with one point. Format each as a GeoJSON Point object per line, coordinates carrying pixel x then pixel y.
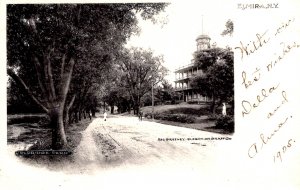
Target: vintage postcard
{"type": "Point", "coordinates": [150, 94]}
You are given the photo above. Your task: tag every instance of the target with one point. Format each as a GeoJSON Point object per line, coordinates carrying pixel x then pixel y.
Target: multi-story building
{"type": "Point", "coordinates": [184, 74]}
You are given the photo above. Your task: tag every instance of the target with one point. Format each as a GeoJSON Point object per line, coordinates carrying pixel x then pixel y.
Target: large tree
{"type": "Point", "coordinates": [217, 79]}
{"type": "Point", "coordinates": [165, 93]}
{"type": "Point", "coordinates": [141, 71]}
{"type": "Point", "coordinates": [89, 75]}
{"type": "Point", "coordinates": [114, 91]}
{"type": "Point", "coordinates": [44, 42]}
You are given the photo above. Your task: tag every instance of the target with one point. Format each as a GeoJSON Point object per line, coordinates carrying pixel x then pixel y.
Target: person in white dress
{"type": "Point", "coordinates": [224, 109]}
{"type": "Point", "coordinates": [105, 115]}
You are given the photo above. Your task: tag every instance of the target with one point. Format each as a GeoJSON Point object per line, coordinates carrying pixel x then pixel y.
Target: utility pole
{"type": "Point", "coordinates": [202, 24]}
{"type": "Point", "coordinates": [152, 101]}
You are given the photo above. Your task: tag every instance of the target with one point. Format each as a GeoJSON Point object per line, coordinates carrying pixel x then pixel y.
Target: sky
{"type": "Point", "coordinates": [176, 39]}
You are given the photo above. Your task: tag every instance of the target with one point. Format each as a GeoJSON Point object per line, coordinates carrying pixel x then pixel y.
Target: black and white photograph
{"type": "Point", "coordinates": [96, 91]}
{"type": "Point", "coordinates": [84, 89]}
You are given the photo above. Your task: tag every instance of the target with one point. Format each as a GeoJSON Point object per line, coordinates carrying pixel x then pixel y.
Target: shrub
{"type": "Point", "coordinates": [225, 122]}
{"type": "Point", "coordinates": [21, 118]}
{"type": "Point", "coordinates": [182, 118]}
{"type": "Point", "coordinates": [188, 111]}
{"type": "Point", "coordinates": [212, 117]}
{"type": "Point", "coordinates": [148, 115]}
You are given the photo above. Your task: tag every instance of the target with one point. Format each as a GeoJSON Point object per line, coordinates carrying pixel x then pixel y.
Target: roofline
{"type": "Point", "coordinates": [185, 67]}
{"type": "Point", "coordinates": [203, 36]}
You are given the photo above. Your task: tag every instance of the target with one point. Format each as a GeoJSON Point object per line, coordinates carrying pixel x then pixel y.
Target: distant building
{"type": "Point", "coordinates": [185, 73]}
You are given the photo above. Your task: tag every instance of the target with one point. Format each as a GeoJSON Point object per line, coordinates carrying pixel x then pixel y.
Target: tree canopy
{"type": "Point", "coordinates": [140, 70]}
{"type": "Point", "coordinates": [56, 52]}
{"type": "Point", "coordinates": [217, 79]}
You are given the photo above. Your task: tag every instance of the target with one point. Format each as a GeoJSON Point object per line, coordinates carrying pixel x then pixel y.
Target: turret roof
{"type": "Point", "coordinates": [203, 36]}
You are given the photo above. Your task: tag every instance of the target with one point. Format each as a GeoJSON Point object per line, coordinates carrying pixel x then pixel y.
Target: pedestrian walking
{"type": "Point", "coordinates": [224, 109]}
{"type": "Point", "coordinates": [90, 116]}
{"type": "Point", "coordinates": [105, 115]}
{"type": "Point", "coordinates": [140, 115]}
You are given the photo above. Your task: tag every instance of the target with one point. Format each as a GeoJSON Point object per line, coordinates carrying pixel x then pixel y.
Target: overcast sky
{"type": "Point", "coordinates": [175, 40]}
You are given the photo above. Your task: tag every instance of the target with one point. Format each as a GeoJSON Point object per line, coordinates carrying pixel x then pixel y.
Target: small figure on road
{"type": "Point", "coordinates": [224, 109]}
{"type": "Point", "coordinates": [90, 116]}
{"type": "Point", "coordinates": [140, 115]}
{"type": "Point", "coordinates": [105, 115]}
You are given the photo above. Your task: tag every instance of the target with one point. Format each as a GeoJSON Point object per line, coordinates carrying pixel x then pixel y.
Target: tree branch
{"type": "Point", "coordinates": [51, 82]}
{"type": "Point", "coordinates": [66, 83]}
{"type": "Point", "coordinates": [46, 76]}
{"type": "Point", "coordinates": [16, 78]}
{"type": "Point", "coordinates": [38, 72]}
{"type": "Point", "coordinates": [62, 65]}
{"type": "Point", "coordinates": [71, 102]}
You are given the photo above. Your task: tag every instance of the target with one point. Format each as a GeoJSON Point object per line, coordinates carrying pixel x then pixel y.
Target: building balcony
{"type": "Point", "coordinates": [182, 78]}
{"type": "Point", "coordinates": [185, 67]}
{"type": "Point", "coordinates": [182, 88]}
{"type": "Point", "coordinates": [179, 78]}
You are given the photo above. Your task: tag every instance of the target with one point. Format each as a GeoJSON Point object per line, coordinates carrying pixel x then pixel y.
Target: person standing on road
{"type": "Point", "coordinates": [140, 115]}
{"type": "Point", "coordinates": [90, 116]}
{"type": "Point", "coordinates": [105, 115]}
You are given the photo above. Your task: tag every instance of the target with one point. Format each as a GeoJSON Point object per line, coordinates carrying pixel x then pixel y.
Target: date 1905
{"type": "Point", "coordinates": [280, 153]}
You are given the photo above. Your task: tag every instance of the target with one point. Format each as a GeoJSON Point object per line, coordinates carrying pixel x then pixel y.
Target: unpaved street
{"type": "Point", "coordinates": [124, 152]}
{"type": "Point", "coordinates": [127, 141]}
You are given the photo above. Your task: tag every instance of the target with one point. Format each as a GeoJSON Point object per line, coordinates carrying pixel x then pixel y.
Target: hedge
{"type": "Point", "coordinates": [225, 122]}
{"type": "Point", "coordinates": [182, 118]}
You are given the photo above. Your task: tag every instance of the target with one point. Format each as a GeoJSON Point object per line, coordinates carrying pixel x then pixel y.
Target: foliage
{"type": "Point", "coordinates": [225, 122]}
{"type": "Point", "coordinates": [217, 79]}
{"type": "Point", "coordinates": [50, 44]}
{"type": "Point", "coordinates": [189, 111]}
{"type": "Point", "coordinates": [182, 118]}
{"type": "Point", "coordinates": [18, 101]}
{"type": "Point", "coordinates": [229, 28]}
{"type": "Point", "coordinates": [17, 119]}
{"type": "Point", "coordinates": [165, 93]}
{"type": "Point", "coordinates": [141, 71]}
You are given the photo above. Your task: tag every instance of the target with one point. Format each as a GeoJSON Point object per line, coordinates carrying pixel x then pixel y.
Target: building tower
{"type": "Point", "coordinates": [184, 74]}
{"type": "Point", "coordinates": [203, 41]}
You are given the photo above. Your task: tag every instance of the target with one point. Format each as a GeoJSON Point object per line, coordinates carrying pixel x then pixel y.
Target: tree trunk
{"type": "Point", "coordinates": [93, 112]}
{"type": "Point", "coordinates": [129, 108]}
{"type": "Point", "coordinates": [79, 115]}
{"type": "Point", "coordinates": [137, 109]}
{"type": "Point", "coordinates": [213, 104]}
{"type": "Point", "coordinates": [67, 115]}
{"type": "Point", "coordinates": [54, 108]}
{"type": "Point", "coordinates": [76, 116]}
{"type": "Point", "coordinates": [112, 107]}
{"type": "Point", "coordinates": [59, 140]}
{"type": "Point", "coordinates": [84, 115]}
{"type": "Point", "coordinates": [70, 118]}
{"type": "Point", "coordinates": [66, 118]}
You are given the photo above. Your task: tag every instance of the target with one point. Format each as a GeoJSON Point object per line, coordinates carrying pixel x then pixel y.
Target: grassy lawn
{"type": "Point", "coordinates": [199, 111]}
{"type": "Point", "coordinates": [167, 108]}
{"type": "Point", "coordinates": [201, 124]}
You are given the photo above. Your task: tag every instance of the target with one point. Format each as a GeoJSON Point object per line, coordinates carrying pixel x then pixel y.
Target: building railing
{"type": "Point", "coordinates": [185, 66]}
{"type": "Point", "coordinates": [186, 76]}
{"type": "Point", "coordinates": [183, 88]}
{"type": "Point", "coordinates": [181, 78]}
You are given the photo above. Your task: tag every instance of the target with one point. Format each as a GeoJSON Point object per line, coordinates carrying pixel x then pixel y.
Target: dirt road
{"type": "Point", "coordinates": [127, 141]}
{"type": "Point", "coordinates": [124, 153]}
